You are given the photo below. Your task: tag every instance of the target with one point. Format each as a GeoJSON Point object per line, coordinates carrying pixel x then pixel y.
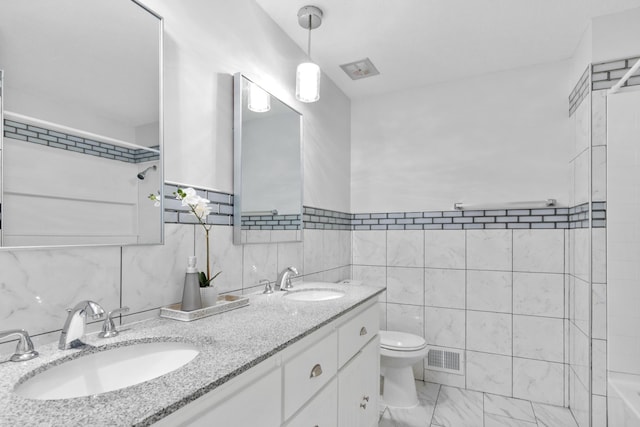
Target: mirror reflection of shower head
{"type": "Point", "coordinates": [142, 174]}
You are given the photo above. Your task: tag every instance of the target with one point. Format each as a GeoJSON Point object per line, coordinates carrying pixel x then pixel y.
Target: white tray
{"type": "Point", "coordinates": [224, 303]}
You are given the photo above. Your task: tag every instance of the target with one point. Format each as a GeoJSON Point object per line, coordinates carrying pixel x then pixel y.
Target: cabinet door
{"type": "Point", "coordinates": [358, 388]}
{"type": "Point", "coordinates": [321, 411]}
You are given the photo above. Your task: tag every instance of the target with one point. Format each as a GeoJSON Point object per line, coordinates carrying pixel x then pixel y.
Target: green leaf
{"type": "Point", "coordinates": [202, 278]}
{"type": "Point", "coordinates": [204, 282]}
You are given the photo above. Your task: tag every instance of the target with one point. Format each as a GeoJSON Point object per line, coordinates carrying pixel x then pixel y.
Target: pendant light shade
{"type": "Point", "coordinates": [308, 82]}
{"type": "Point", "coordinates": [259, 99]}
{"type": "Point", "coordinates": [308, 73]}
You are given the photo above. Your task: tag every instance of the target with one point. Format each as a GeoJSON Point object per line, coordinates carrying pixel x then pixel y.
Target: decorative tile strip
{"type": "Point", "coordinates": [544, 218]}
{"type": "Point", "coordinates": [271, 222]}
{"type": "Point", "coordinates": [221, 207]}
{"type": "Point", "coordinates": [579, 92]}
{"type": "Point", "coordinates": [51, 138]}
{"type": "Point", "coordinates": [598, 214]}
{"type": "Point", "coordinates": [465, 220]}
{"type": "Point", "coordinates": [579, 216]}
{"type": "Point", "coordinates": [325, 219]}
{"type": "Point", "coordinates": [606, 74]}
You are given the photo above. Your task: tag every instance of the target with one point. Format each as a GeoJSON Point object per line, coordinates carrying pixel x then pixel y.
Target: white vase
{"type": "Point", "coordinates": [209, 296]}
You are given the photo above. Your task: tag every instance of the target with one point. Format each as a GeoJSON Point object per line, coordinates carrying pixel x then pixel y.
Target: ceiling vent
{"type": "Point", "coordinates": [360, 69]}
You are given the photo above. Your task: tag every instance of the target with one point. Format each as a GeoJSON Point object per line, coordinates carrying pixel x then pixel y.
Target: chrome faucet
{"type": "Point", "coordinates": [284, 279]}
{"type": "Point", "coordinates": [72, 335]}
{"type": "Point", "coordinates": [24, 349]}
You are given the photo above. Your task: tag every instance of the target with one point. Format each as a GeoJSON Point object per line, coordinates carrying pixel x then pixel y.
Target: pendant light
{"type": "Point", "coordinates": [308, 73]}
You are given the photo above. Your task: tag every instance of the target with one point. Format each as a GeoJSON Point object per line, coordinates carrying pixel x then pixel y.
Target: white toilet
{"type": "Point", "coordinates": [398, 352]}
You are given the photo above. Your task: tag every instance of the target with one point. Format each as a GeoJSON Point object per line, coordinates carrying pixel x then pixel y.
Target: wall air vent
{"type": "Point", "coordinates": [445, 360]}
{"type": "Point", "coordinates": [360, 69]}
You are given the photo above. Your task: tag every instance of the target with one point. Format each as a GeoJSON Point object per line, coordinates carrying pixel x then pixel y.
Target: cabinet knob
{"type": "Point", "coordinates": [316, 371]}
{"type": "Point", "coordinates": [363, 331]}
{"type": "Point", "coordinates": [363, 405]}
{"type": "Point", "coordinates": [365, 398]}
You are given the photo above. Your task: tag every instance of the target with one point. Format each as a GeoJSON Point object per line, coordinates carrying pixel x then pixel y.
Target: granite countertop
{"type": "Point", "coordinates": [229, 343]}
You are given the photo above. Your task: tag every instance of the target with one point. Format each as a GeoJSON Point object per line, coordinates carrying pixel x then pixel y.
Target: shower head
{"type": "Point", "coordinates": [142, 174]}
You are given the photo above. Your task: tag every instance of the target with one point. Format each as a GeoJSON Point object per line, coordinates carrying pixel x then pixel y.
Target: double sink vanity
{"type": "Point", "coordinates": [308, 356]}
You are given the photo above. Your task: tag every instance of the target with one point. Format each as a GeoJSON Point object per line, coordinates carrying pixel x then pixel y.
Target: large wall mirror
{"type": "Point", "coordinates": [82, 123]}
{"type": "Point", "coordinates": [267, 166]}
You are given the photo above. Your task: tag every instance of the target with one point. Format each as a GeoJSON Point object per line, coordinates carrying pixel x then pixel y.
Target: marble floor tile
{"type": "Point", "coordinates": [413, 417]}
{"type": "Point", "coordinates": [508, 407]}
{"type": "Point", "coordinates": [553, 416]}
{"type": "Point", "coordinates": [492, 420]}
{"type": "Point", "coordinates": [458, 408]}
{"type": "Point", "coordinates": [445, 406]}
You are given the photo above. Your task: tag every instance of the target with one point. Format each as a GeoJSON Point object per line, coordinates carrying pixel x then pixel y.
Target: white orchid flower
{"type": "Point", "coordinates": [202, 209]}
{"type": "Point", "coordinates": [190, 197]}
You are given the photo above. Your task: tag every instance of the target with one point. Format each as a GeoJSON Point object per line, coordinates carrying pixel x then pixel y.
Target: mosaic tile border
{"type": "Point", "coordinates": [271, 222]}
{"type": "Point", "coordinates": [464, 220]}
{"type": "Point", "coordinates": [606, 74]}
{"type": "Point", "coordinates": [64, 141]}
{"type": "Point", "coordinates": [580, 91]}
{"type": "Point", "coordinates": [599, 214]}
{"type": "Point", "coordinates": [545, 218]}
{"type": "Point", "coordinates": [325, 219]}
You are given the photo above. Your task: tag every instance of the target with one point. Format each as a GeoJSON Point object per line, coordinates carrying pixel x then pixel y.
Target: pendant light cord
{"type": "Point", "coordinates": [309, 40]}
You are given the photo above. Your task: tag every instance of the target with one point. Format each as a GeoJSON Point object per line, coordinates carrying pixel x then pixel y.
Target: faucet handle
{"type": "Point", "coordinates": [287, 283]}
{"type": "Point", "coordinates": [24, 349]}
{"type": "Point", "coordinates": [108, 327]}
{"type": "Point", "coordinates": [268, 288]}
{"type": "Point", "coordinates": [293, 273]}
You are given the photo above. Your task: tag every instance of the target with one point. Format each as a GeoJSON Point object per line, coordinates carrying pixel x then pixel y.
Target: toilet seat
{"type": "Point", "coordinates": [401, 341]}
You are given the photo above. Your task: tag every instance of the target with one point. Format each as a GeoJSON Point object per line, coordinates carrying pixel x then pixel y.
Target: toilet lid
{"type": "Point", "coordinates": [401, 341]}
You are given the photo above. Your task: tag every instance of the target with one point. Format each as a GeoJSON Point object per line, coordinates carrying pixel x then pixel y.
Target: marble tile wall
{"type": "Point", "coordinates": [587, 265]}
{"type": "Point", "coordinates": [598, 262]}
{"type": "Point", "coordinates": [578, 271]}
{"type": "Point", "coordinates": [38, 285]}
{"type": "Point", "coordinates": [497, 295]}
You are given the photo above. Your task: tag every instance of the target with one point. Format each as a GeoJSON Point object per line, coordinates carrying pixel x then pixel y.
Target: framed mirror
{"type": "Point", "coordinates": [267, 166]}
{"type": "Point", "coordinates": [81, 146]}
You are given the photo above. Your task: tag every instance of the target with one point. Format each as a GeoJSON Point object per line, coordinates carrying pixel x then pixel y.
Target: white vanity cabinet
{"type": "Point", "coordinates": [329, 378]}
{"type": "Point", "coordinates": [358, 388]}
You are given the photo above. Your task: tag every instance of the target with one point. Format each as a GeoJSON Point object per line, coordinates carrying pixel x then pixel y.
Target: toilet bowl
{"type": "Point", "coordinates": [399, 351]}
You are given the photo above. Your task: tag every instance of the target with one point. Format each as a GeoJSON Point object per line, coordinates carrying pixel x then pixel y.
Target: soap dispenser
{"type": "Point", "coordinates": [191, 294]}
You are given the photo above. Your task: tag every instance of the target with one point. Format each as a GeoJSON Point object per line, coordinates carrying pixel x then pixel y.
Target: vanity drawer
{"type": "Point", "coordinates": [308, 372]}
{"type": "Point", "coordinates": [322, 411]}
{"type": "Point", "coordinates": [357, 332]}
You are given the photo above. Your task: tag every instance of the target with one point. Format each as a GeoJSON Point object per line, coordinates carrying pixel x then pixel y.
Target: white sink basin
{"type": "Point", "coordinates": [108, 370]}
{"type": "Point", "coordinates": [314, 294]}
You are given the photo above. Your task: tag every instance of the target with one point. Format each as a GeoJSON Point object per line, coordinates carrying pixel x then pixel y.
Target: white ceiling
{"type": "Point", "coordinates": [429, 41]}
